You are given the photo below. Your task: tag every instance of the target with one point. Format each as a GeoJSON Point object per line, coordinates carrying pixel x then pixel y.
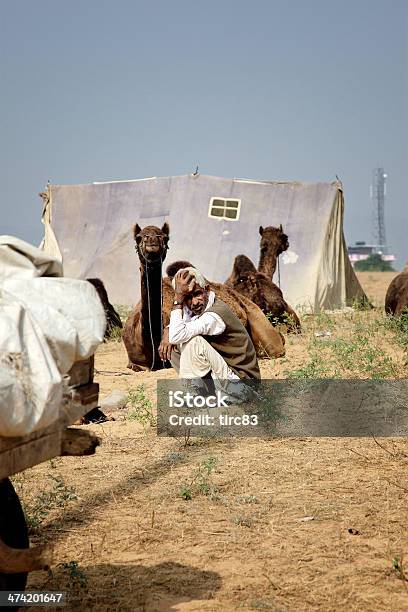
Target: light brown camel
{"type": "Point", "coordinates": [144, 327]}
{"type": "Point", "coordinates": [260, 289]}
{"type": "Point", "coordinates": [396, 299]}
{"type": "Point", "coordinates": [273, 242]}
{"type": "Point", "coordinates": [268, 341]}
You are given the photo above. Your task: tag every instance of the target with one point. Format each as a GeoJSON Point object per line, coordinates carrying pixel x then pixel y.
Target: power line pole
{"type": "Point", "coordinates": [378, 192]}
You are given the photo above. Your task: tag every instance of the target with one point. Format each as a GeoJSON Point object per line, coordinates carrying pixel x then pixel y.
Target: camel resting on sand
{"type": "Point", "coordinates": [268, 341]}
{"type": "Point", "coordinates": [396, 298]}
{"type": "Point", "coordinates": [260, 289]}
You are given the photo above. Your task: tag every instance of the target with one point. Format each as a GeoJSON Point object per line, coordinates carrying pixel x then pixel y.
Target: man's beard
{"type": "Point", "coordinates": [198, 309]}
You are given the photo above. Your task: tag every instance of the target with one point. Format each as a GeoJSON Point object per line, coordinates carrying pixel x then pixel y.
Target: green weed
{"type": "Point", "coordinates": [243, 521]}
{"type": "Point", "coordinates": [58, 496]}
{"type": "Point", "coordinates": [75, 574]}
{"type": "Point", "coordinates": [200, 483]}
{"type": "Point", "coordinates": [115, 334]}
{"type": "Point", "coordinates": [398, 568]}
{"type": "Point", "coordinates": [141, 409]}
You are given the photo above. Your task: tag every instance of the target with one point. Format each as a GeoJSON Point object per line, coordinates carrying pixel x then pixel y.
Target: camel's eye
{"type": "Point", "coordinates": [241, 279]}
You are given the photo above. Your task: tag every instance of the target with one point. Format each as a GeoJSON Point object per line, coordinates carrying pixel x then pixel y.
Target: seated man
{"type": "Point", "coordinates": [205, 339]}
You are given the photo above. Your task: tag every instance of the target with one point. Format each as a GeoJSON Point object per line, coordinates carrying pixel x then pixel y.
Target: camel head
{"type": "Point", "coordinates": [273, 240]}
{"type": "Point", "coordinates": [151, 242]}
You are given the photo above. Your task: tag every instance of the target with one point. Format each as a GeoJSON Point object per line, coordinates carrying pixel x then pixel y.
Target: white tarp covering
{"type": "Point", "coordinates": [90, 227]}
{"type": "Point", "coordinates": [46, 324]}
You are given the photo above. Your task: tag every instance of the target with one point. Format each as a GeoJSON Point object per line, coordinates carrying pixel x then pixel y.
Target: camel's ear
{"type": "Point", "coordinates": [261, 230]}
{"type": "Point", "coordinates": [166, 229]}
{"type": "Point", "coordinates": [280, 227]}
{"type": "Point", "coordinates": [136, 231]}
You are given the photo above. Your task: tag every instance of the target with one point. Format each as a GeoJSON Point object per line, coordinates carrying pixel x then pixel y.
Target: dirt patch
{"type": "Point", "coordinates": [375, 285]}
{"type": "Point", "coordinates": [270, 524]}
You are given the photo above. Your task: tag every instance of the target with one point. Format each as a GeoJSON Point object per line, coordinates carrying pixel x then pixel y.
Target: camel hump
{"type": "Point", "coordinates": [243, 265]}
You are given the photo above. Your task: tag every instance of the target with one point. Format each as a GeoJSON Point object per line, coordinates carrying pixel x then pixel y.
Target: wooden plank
{"type": "Point", "coordinates": [30, 453]}
{"type": "Point", "coordinates": [10, 443]}
{"type": "Point", "coordinates": [83, 399]}
{"type": "Point", "coordinates": [82, 372]}
{"type": "Point", "coordinates": [17, 454]}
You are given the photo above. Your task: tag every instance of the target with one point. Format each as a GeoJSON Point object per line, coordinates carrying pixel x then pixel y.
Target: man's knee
{"type": "Point", "coordinates": [195, 344]}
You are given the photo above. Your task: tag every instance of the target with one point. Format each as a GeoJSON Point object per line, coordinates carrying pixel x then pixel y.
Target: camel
{"type": "Point", "coordinates": [396, 299]}
{"type": "Point", "coordinates": [112, 317]}
{"type": "Point", "coordinates": [143, 329]}
{"type": "Point", "coordinates": [268, 341]}
{"type": "Point", "coordinates": [273, 242]}
{"type": "Point", "coordinates": [259, 288]}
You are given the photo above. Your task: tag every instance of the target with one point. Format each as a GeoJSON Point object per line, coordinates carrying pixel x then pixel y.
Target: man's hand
{"type": "Point", "coordinates": [165, 348]}
{"type": "Point", "coordinates": [184, 284]}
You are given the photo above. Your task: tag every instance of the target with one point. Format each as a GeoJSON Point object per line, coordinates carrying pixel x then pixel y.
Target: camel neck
{"type": "Point", "coordinates": [151, 309]}
{"type": "Point", "coordinates": [267, 264]}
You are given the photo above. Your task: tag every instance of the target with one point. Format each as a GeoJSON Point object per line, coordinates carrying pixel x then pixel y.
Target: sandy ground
{"type": "Point", "coordinates": [272, 524]}
{"type": "Point", "coordinates": [376, 284]}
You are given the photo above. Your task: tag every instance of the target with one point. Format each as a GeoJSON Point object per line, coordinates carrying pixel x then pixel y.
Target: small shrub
{"type": "Point", "coordinates": [141, 408]}
{"type": "Point", "coordinates": [247, 499]}
{"type": "Point", "coordinates": [186, 493]}
{"type": "Point", "coordinates": [200, 482]}
{"type": "Point", "coordinates": [75, 574]}
{"type": "Point", "coordinates": [398, 568]}
{"type": "Point", "coordinates": [243, 521]}
{"type": "Point", "coordinates": [39, 508]}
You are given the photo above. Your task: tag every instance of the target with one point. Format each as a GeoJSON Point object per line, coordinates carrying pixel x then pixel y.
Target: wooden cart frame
{"type": "Point", "coordinates": [17, 454]}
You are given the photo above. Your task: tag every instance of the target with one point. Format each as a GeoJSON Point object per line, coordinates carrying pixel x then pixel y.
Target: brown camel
{"type": "Point", "coordinates": [268, 341]}
{"type": "Point", "coordinates": [396, 299]}
{"type": "Point", "coordinates": [144, 327]}
{"type": "Point", "coordinates": [273, 242]}
{"type": "Point", "coordinates": [259, 288]}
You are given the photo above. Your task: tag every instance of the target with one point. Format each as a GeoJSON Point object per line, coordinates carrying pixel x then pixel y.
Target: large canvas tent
{"type": "Point", "coordinates": [211, 221]}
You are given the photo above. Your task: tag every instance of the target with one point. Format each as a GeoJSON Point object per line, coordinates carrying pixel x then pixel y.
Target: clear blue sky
{"type": "Point", "coordinates": [267, 89]}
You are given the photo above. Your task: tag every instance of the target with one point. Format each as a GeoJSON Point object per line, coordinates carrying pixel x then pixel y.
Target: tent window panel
{"type": "Point", "coordinates": [217, 212]}
{"type": "Point", "coordinates": [223, 208]}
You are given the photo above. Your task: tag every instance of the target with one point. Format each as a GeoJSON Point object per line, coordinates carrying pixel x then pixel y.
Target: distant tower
{"type": "Point", "coordinates": [378, 191]}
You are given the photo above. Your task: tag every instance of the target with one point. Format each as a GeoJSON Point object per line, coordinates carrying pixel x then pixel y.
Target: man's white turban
{"type": "Point", "coordinates": [199, 278]}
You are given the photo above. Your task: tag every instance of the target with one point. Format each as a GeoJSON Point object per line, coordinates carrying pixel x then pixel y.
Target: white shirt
{"type": "Point", "coordinates": [184, 326]}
